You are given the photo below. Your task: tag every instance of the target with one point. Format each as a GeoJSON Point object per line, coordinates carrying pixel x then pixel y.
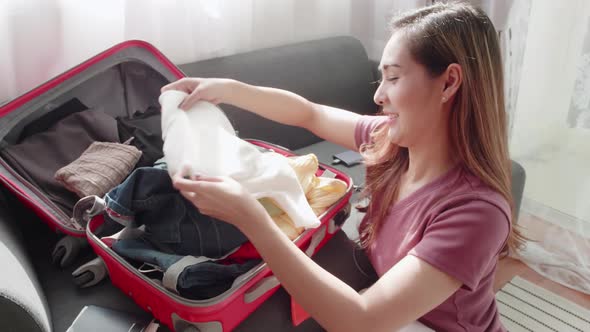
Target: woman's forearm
{"type": "Point", "coordinates": [275, 104]}
{"type": "Point", "coordinates": [334, 304]}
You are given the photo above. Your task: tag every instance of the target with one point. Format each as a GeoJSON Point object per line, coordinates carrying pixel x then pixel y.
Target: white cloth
{"type": "Point", "coordinates": [203, 140]}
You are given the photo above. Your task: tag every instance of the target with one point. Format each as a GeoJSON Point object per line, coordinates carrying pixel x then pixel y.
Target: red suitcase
{"type": "Point", "coordinates": [226, 311]}
{"type": "Point", "coordinates": [142, 70]}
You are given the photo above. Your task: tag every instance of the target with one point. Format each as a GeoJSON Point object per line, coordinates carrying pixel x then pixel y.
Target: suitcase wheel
{"type": "Point", "coordinates": [67, 249]}
{"type": "Point", "coordinates": [83, 279]}
{"type": "Point", "coordinates": [181, 325]}
{"type": "Point", "coordinates": [90, 273]}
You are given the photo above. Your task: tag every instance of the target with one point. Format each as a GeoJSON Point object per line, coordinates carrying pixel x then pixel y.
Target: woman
{"type": "Point", "coordinates": [438, 178]}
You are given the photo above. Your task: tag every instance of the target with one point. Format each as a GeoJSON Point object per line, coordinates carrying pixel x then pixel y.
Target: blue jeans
{"type": "Point", "coordinates": [148, 198]}
{"type": "Point", "coordinates": [203, 280]}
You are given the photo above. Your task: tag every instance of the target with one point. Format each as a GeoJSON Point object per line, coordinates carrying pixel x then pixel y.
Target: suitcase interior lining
{"type": "Point", "coordinates": [119, 91]}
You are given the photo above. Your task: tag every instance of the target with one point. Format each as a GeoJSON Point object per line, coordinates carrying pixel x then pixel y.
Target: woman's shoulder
{"type": "Point", "coordinates": [470, 189]}
{"type": "Point", "coordinates": [472, 207]}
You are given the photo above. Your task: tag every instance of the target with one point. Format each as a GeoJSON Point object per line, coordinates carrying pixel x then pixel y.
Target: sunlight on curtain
{"type": "Point", "coordinates": [551, 139]}
{"type": "Point", "coordinates": [42, 38]}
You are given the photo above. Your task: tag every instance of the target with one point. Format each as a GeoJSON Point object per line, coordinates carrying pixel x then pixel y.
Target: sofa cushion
{"type": "Point", "coordinates": [334, 71]}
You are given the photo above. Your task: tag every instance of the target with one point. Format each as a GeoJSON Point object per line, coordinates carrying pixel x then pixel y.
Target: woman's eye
{"type": "Point", "coordinates": [389, 79]}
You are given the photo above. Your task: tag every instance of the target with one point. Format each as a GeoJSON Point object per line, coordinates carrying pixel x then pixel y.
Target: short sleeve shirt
{"type": "Point", "coordinates": [457, 224]}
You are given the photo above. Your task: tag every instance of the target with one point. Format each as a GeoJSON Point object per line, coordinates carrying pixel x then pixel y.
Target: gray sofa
{"type": "Point", "coordinates": [36, 295]}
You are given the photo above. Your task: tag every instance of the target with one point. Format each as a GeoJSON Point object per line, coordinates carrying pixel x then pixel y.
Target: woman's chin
{"type": "Point", "coordinates": [393, 136]}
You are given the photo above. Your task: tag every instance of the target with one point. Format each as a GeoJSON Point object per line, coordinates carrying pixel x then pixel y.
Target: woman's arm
{"type": "Point", "coordinates": [332, 124]}
{"type": "Point", "coordinates": [406, 292]}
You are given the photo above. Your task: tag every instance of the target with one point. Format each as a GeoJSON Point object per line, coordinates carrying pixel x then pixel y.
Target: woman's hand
{"type": "Point", "coordinates": [213, 90]}
{"type": "Point", "coordinates": [222, 198]}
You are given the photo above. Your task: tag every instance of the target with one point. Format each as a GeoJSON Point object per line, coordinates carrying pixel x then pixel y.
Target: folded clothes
{"type": "Point", "coordinates": [148, 198]}
{"type": "Point", "coordinates": [321, 193]}
{"type": "Point", "coordinates": [195, 278]}
{"type": "Point", "coordinates": [40, 155]}
{"type": "Point", "coordinates": [52, 117]}
{"type": "Point", "coordinates": [99, 169]}
{"type": "Point", "coordinates": [145, 129]}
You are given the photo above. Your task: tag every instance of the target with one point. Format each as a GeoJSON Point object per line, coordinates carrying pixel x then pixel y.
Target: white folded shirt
{"type": "Point", "coordinates": [203, 140]}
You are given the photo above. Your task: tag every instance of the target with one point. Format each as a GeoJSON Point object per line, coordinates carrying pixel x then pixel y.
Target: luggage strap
{"type": "Point", "coordinates": [86, 208]}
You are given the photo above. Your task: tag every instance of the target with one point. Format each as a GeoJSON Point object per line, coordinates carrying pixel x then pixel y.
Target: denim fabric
{"type": "Point", "coordinates": [142, 251]}
{"type": "Point", "coordinates": [147, 197]}
{"type": "Point", "coordinates": [199, 281]}
{"type": "Point", "coordinates": [209, 279]}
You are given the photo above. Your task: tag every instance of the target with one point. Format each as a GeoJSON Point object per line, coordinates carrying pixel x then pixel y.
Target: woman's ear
{"type": "Point", "coordinates": [453, 79]}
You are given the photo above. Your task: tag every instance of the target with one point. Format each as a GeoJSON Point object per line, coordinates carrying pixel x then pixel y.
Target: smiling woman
{"type": "Point", "coordinates": [438, 178]}
{"type": "Point", "coordinates": [415, 95]}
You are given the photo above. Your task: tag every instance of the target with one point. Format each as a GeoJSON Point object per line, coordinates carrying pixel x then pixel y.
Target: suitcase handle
{"type": "Point", "coordinates": [181, 325]}
{"type": "Point", "coordinates": [315, 241]}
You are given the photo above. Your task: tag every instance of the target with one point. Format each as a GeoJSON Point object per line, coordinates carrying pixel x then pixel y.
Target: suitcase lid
{"type": "Point", "coordinates": [40, 100]}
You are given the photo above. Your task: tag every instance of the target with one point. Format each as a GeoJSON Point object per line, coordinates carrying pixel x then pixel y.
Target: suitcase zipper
{"type": "Point", "coordinates": [63, 219]}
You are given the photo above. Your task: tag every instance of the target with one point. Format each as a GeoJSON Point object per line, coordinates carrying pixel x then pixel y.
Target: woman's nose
{"type": "Point", "coordinates": [379, 98]}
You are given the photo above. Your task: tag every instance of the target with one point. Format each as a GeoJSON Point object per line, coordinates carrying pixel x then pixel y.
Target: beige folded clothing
{"type": "Point", "coordinates": [99, 169]}
{"type": "Point", "coordinates": [321, 193]}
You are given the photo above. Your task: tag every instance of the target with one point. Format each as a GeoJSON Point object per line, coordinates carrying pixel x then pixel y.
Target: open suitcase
{"type": "Point", "coordinates": [118, 82]}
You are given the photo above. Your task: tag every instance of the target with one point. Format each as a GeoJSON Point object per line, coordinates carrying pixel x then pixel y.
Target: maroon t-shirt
{"type": "Point", "coordinates": [458, 225]}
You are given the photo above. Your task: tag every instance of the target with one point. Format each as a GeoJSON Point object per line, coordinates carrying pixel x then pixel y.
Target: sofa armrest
{"type": "Point", "coordinates": [22, 303]}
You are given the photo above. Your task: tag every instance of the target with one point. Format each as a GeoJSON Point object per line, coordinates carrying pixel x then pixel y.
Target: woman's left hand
{"type": "Point", "coordinates": [222, 198]}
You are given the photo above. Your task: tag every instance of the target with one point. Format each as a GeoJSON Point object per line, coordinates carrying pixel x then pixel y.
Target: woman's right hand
{"type": "Point", "coordinates": [213, 90]}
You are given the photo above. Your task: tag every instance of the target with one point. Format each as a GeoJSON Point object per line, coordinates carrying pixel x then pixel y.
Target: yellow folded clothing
{"type": "Point", "coordinates": [321, 193]}
{"type": "Point", "coordinates": [305, 168]}
{"type": "Point", "coordinates": [325, 193]}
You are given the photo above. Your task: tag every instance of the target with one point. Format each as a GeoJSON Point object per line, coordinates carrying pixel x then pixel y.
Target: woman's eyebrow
{"type": "Point", "coordinates": [386, 66]}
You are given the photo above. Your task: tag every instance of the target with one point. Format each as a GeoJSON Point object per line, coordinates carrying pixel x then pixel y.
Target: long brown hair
{"type": "Point", "coordinates": [437, 36]}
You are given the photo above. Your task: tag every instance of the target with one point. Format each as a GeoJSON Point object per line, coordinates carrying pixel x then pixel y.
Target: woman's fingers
{"type": "Point", "coordinates": [183, 184]}
{"type": "Point", "coordinates": [191, 99]}
{"type": "Point", "coordinates": [185, 84]}
{"type": "Point", "coordinates": [196, 183]}
{"type": "Point", "coordinates": [189, 195]}
{"type": "Point", "coordinates": [206, 178]}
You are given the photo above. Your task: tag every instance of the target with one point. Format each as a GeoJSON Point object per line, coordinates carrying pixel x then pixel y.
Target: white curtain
{"type": "Point", "coordinates": [551, 139]}
{"type": "Point", "coordinates": [42, 38]}
{"type": "Point", "coordinates": [546, 52]}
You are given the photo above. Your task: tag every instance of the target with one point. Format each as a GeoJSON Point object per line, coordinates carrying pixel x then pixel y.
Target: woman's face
{"type": "Point", "coordinates": [409, 96]}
